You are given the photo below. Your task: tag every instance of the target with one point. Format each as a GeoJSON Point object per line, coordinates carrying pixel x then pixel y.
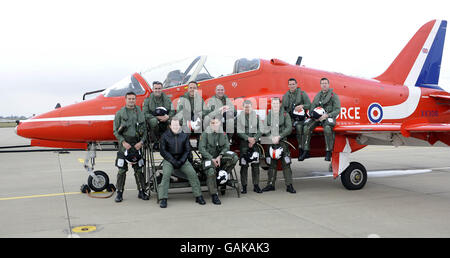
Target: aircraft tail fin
{"type": "Point", "coordinates": [419, 63]}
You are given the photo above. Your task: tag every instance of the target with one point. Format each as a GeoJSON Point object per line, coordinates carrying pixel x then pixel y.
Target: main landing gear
{"type": "Point", "coordinates": [353, 174]}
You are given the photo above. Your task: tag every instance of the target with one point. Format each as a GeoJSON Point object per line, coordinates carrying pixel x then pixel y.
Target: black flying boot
{"type": "Point", "coordinates": [200, 200]}
{"type": "Point", "coordinates": [304, 155]}
{"type": "Point", "coordinates": [290, 189]}
{"type": "Point", "coordinates": [215, 199]}
{"type": "Point", "coordinates": [256, 189]}
{"type": "Point", "coordinates": [142, 195]}
{"type": "Point", "coordinates": [163, 203]}
{"type": "Point", "coordinates": [328, 156]}
{"type": "Point", "coordinates": [119, 197]}
{"type": "Point", "coordinates": [268, 187]}
{"type": "Point", "coordinates": [244, 189]}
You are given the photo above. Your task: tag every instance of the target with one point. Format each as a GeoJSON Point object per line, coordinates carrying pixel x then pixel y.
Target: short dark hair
{"type": "Point", "coordinates": [215, 118]}
{"type": "Point", "coordinates": [174, 119]}
{"type": "Point", "coordinates": [246, 102]}
{"type": "Point", "coordinates": [324, 79]}
{"type": "Point", "coordinates": [196, 83]}
{"type": "Point", "coordinates": [292, 79]}
{"type": "Point", "coordinates": [130, 93]}
{"type": "Point", "coordinates": [275, 98]}
{"type": "Point", "coordinates": [157, 82]}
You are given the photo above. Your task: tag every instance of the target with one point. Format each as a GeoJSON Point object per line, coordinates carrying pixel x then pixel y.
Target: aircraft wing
{"type": "Point", "coordinates": [397, 127]}
{"type": "Point", "coordinates": [361, 128]}
{"type": "Point", "coordinates": [430, 132]}
{"type": "Point", "coordinates": [421, 129]}
{"type": "Point", "coordinates": [427, 127]}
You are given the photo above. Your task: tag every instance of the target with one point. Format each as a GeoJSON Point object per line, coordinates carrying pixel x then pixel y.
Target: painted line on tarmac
{"type": "Point", "coordinates": [50, 195]}
{"type": "Point", "coordinates": [112, 160]}
{"type": "Point", "coordinates": [37, 196]}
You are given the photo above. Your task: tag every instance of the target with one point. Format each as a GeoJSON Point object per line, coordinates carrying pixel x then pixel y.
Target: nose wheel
{"type": "Point", "coordinates": [100, 182]}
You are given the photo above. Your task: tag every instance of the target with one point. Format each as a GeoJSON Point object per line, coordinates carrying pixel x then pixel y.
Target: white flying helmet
{"type": "Point", "coordinates": [275, 153]}
{"type": "Point", "coordinates": [318, 112]}
{"type": "Point", "coordinates": [299, 115]}
{"type": "Point", "coordinates": [194, 125]}
{"type": "Point", "coordinates": [222, 177]}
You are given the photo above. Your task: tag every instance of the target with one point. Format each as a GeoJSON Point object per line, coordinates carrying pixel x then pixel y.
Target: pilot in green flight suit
{"type": "Point", "coordinates": [249, 132]}
{"type": "Point", "coordinates": [280, 126]}
{"type": "Point", "coordinates": [296, 100]}
{"type": "Point", "coordinates": [215, 150]}
{"type": "Point", "coordinates": [131, 133]}
{"type": "Point", "coordinates": [330, 102]}
{"type": "Point", "coordinates": [221, 107]}
{"type": "Point", "coordinates": [191, 107]}
{"type": "Point", "coordinates": [157, 123]}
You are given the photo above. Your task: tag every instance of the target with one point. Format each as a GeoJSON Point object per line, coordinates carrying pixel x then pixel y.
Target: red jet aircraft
{"type": "Point", "coordinates": [402, 106]}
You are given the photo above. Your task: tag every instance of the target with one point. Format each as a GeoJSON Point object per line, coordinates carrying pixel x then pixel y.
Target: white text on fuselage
{"type": "Point", "coordinates": [352, 113]}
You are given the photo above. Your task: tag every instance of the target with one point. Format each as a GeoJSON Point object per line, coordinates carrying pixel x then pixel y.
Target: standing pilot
{"type": "Point", "coordinates": [279, 122]}
{"type": "Point", "coordinates": [295, 103]}
{"type": "Point", "coordinates": [130, 131]}
{"type": "Point", "coordinates": [324, 110]}
{"type": "Point", "coordinates": [249, 132]}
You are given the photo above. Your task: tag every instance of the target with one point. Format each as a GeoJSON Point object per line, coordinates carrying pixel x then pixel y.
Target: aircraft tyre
{"type": "Point", "coordinates": [354, 176]}
{"type": "Point", "coordinates": [101, 183]}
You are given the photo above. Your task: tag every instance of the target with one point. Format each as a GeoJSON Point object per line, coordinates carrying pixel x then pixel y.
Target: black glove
{"type": "Point", "coordinates": [178, 164]}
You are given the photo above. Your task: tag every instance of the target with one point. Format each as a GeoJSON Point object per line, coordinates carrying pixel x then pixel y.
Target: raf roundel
{"type": "Point", "coordinates": [375, 113]}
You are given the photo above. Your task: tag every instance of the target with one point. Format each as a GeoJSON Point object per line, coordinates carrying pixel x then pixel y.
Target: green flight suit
{"type": "Point", "coordinates": [332, 105]}
{"type": "Point", "coordinates": [211, 145]}
{"type": "Point", "coordinates": [290, 101]}
{"type": "Point", "coordinates": [133, 131]}
{"type": "Point", "coordinates": [248, 125]}
{"type": "Point", "coordinates": [213, 109]}
{"type": "Point", "coordinates": [280, 125]}
{"type": "Point", "coordinates": [189, 108]}
{"type": "Point", "coordinates": [156, 128]}
{"type": "Point", "coordinates": [187, 169]}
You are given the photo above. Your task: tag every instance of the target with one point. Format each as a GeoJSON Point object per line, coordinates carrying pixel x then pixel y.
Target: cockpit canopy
{"type": "Point", "coordinates": [181, 72]}
{"type": "Point", "coordinates": [120, 88]}
{"type": "Point", "coordinates": [198, 69]}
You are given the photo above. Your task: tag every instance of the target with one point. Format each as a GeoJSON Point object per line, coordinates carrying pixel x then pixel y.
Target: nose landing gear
{"type": "Point", "coordinates": [98, 180]}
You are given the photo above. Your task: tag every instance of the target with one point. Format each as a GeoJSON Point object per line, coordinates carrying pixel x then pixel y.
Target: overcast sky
{"type": "Point", "coordinates": [54, 51]}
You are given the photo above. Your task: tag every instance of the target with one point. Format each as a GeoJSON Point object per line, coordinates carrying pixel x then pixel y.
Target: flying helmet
{"type": "Point", "coordinates": [222, 177]}
{"type": "Point", "coordinates": [194, 125]}
{"type": "Point", "coordinates": [160, 111]}
{"type": "Point", "coordinates": [132, 155]}
{"type": "Point", "coordinates": [251, 156]}
{"type": "Point", "coordinates": [298, 115]}
{"type": "Point", "coordinates": [317, 112]}
{"type": "Point", "coordinates": [275, 152]}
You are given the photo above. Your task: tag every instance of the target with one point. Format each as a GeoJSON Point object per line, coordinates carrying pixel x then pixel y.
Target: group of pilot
{"type": "Point", "coordinates": [169, 132]}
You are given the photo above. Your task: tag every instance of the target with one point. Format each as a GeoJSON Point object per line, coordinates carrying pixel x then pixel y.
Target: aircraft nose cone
{"type": "Point", "coordinates": [18, 129]}
{"type": "Point", "coordinates": [17, 125]}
